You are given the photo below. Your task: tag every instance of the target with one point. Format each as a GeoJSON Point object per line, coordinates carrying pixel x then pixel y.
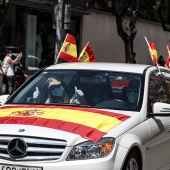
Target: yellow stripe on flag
{"type": "Point", "coordinates": [70, 49]}
{"type": "Point", "coordinates": [153, 52]}
{"type": "Point", "coordinates": [85, 57]}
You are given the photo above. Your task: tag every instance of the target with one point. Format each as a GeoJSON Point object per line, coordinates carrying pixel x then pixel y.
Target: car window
{"type": "Point", "coordinates": [166, 76]}
{"type": "Point", "coordinates": [99, 89]}
{"type": "Point", "coordinates": [157, 90]}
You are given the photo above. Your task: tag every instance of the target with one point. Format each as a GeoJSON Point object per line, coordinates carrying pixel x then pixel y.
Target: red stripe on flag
{"type": "Point", "coordinates": [67, 57]}
{"type": "Point", "coordinates": [84, 131]}
{"type": "Point", "coordinates": [90, 53]}
{"type": "Point", "coordinates": [152, 45]}
{"type": "Point", "coordinates": [70, 38]}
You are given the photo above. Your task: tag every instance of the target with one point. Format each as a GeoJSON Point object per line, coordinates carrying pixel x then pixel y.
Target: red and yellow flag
{"type": "Point", "coordinates": [87, 54]}
{"type": "Point", "coordinates": [68, 50]}
{"type": "Point", "coordinates": [168, 48]}
{"type": "Point", "coordinates": [153, 53]}
{"type": "Point", "coordinates": [167, 64]}
{"type": "Point", "coordinates": [89, 123]}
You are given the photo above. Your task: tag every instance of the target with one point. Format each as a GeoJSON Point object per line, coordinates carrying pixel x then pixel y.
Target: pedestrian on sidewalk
{"type": "Point", "coordinates": [8, 84]}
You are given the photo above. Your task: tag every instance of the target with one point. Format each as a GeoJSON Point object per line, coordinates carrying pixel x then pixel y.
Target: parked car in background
{"type": "Point", "coordinates": [95, 116]}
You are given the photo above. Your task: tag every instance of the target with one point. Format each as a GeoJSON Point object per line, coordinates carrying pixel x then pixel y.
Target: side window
{"type": "Point", "coordinates": [157, 92]}
{"type": "Point", "coordinates": [167, 79]}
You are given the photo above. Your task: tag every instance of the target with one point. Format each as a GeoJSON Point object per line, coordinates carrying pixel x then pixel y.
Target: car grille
{"type": "Point", "coordinates": [37, 149]}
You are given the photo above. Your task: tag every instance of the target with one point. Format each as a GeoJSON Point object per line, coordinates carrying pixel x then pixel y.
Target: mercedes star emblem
{"type": "Point", "coordinates": [17, 148]}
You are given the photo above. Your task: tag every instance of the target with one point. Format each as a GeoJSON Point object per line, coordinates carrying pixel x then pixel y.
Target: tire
{"type": "Point", "coordinates": [132, 162]}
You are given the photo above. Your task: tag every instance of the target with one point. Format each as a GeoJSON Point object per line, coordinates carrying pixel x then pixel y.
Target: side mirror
{"type": "Point", "coordinates": [161, 109]}
{"type": "Point", "coordinates": [3, 99]}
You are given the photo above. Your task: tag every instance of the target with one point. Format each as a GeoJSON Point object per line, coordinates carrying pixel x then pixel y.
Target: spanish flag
{"type": "Point", "coordinates": [167, 64]}
{"type": "Point", "coordinates": [89, 123]}
{"type": "Point", "coordinates": [86, 55]}
{"type": "Point", "coordinates": [68, 50]}
{"type": "Point", "coordinates": [153, 52]}
{"type": "Point", "coordinates": [168, 48]}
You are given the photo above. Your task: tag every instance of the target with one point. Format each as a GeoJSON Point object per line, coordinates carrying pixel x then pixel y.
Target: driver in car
{"type": "Point", "coordinates": [57, 94]}
{"type": "Point", "coordinates": [133, 92]}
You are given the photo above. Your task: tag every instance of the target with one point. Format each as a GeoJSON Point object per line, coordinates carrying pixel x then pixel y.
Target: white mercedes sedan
{"type": "Point", "coordinates": [88, 116]}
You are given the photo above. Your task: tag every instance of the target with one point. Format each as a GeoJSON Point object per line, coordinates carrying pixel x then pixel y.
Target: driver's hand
{"type": "Point", "coordinates": [79, 97]}
{"type": "Point", "coordinates": [36, 94]}
{"type": "Point", "coordinates": [78, 93]}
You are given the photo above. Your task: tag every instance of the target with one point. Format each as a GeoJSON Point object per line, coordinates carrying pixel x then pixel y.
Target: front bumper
{"type": "Point", "coordinates": [111, 162]}
{"type": "Point", "coordinates": [99, 164]}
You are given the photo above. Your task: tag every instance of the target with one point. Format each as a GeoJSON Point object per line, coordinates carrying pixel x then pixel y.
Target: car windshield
{"type": "Point", "coordinates": [84, 88]}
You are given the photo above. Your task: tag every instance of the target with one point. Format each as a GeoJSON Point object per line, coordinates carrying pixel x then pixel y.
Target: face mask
{"type": "Point", "coordinates": [57, 91]}
{"type": "Point", "coordinates": [132, 97]}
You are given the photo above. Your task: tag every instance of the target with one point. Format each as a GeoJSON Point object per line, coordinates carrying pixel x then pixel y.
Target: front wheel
{"type": "Point", "coordinates": [132, 162]}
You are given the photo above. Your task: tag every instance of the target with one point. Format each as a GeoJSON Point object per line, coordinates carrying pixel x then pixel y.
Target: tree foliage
{"type": "Point", "coordinates": [127, 13]}
{"type": "Point", "coordinates": [162, 9]}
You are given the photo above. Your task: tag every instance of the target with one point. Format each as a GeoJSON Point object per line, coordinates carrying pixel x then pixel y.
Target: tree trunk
{"type": "Point", "coordinates": [129, 54]}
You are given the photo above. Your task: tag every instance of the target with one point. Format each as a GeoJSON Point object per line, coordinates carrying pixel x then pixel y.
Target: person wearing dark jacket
{"type": "Point", "coordinates": [161, 61]}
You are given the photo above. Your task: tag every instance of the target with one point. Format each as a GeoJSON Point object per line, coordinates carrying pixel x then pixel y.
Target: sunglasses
{"type": "Point", "coordinates": [129, 90]}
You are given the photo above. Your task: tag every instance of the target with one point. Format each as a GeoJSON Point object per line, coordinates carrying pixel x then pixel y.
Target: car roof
{"type": "Point", "coordinates": [120, 67]}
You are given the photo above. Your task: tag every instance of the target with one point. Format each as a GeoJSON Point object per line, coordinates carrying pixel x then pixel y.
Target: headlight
{"type": "Point", "coordinates": [91, 150]}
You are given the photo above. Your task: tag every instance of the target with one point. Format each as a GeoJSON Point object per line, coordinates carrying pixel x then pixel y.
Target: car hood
{"type": "Point", "coordinates": [73, 124]}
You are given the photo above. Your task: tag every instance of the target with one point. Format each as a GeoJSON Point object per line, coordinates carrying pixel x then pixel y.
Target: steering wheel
{"type": "Point", "coordinates": [123, 102]}
{"type": "Point", "coordinates": [114, 104]}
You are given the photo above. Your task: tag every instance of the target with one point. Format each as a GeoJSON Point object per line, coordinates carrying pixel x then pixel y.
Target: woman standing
{"type": "Point", "coordinates": [8, 84]}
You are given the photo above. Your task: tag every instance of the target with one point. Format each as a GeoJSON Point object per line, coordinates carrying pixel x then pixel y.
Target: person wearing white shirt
{"type": "Point", "coordinates": [8, 83]}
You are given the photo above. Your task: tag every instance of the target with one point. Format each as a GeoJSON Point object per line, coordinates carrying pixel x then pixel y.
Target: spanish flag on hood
{"type": "Point", "coordinates": [89, 123]}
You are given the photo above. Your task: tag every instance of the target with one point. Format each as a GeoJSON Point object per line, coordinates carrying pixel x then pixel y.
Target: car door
{"type": "Point", "coordinates": [159, 126]}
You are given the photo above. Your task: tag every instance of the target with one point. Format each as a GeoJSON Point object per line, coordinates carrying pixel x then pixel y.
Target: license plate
{"type": "Point", "coordinates": [17, 167]}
